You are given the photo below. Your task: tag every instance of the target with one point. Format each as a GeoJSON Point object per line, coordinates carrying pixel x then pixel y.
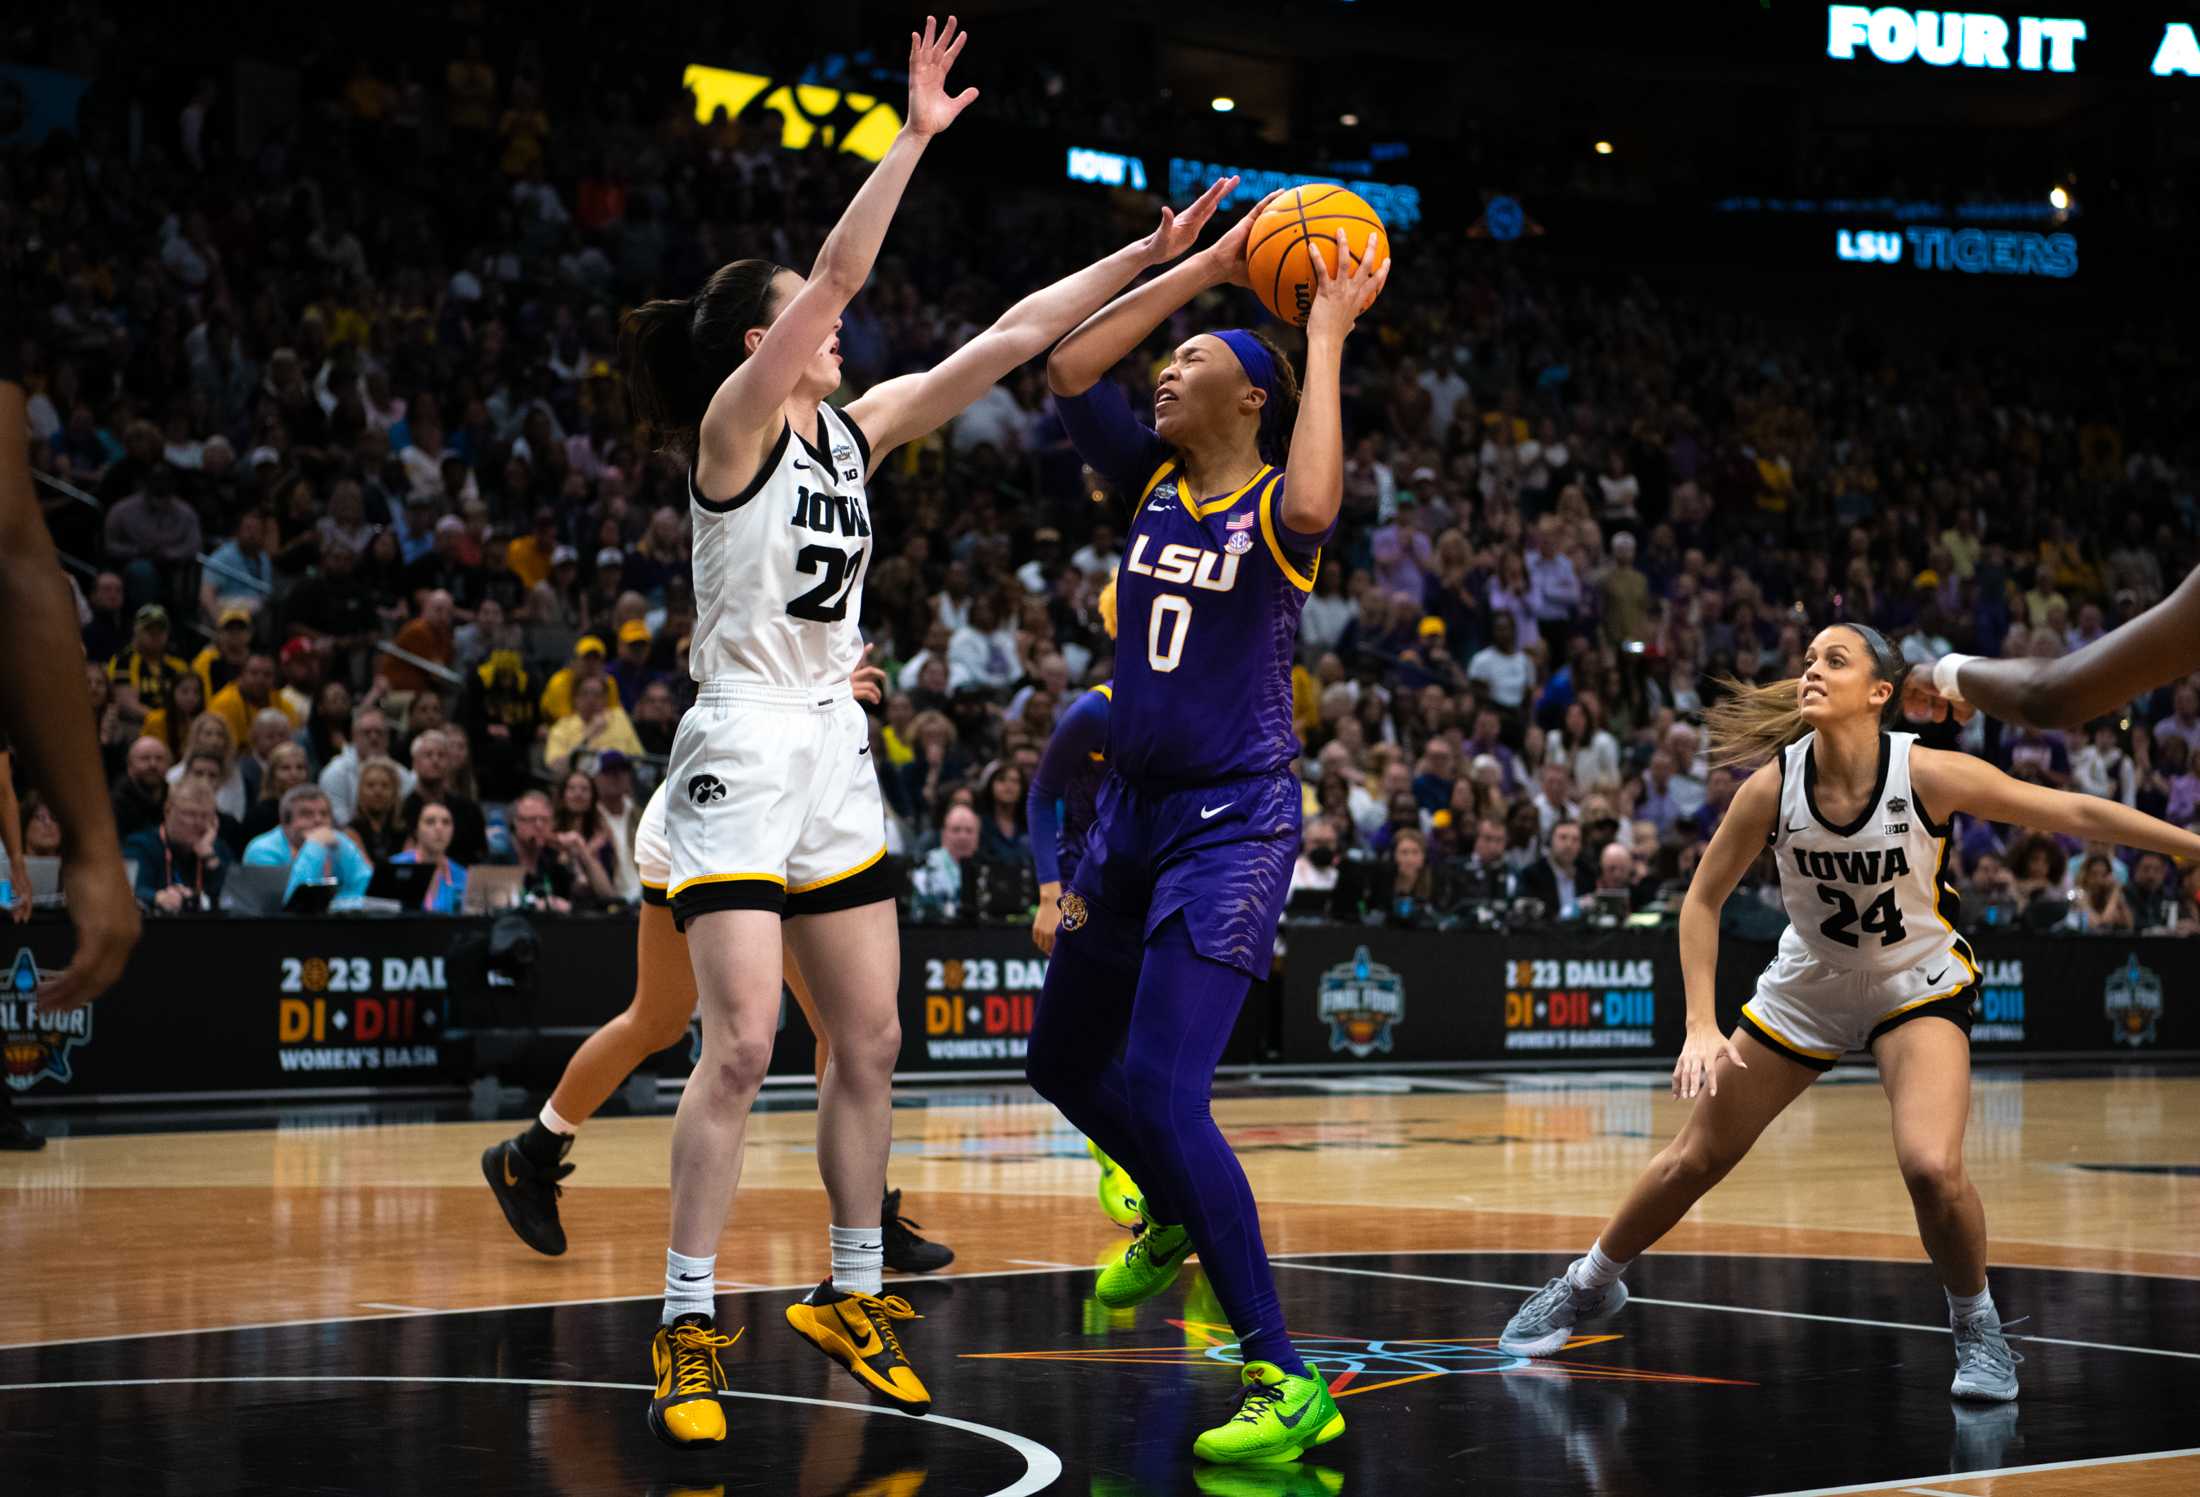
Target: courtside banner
{"type": "Point", "coordinates": [1368, 996]}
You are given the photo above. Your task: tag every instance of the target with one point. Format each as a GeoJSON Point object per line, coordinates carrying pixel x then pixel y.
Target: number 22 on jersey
{"type": "Point", "coordinates": [835, 567]}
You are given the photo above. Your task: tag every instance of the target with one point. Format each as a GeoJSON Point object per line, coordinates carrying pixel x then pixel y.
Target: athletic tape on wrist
{"type": "Point", "coordinates": [1944, 675]}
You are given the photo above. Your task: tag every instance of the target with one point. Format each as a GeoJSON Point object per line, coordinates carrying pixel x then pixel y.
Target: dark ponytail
{"type": "Point", "coordinates": [1281, 413]}
{"type": "Point", "coordinates": [676, 353]}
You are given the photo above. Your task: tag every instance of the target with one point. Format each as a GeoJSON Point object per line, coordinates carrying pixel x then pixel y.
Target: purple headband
{"type": "Point", "coordinates": [1252, 358]}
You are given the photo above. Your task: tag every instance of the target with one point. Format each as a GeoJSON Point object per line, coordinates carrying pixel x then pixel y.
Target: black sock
{"type": "Point", "coordinates": [542, 1147]}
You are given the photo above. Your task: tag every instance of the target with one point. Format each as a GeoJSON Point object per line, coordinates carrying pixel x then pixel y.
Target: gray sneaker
{"type": "Point", "coordinates": [1986, 1366]}
{"type": "Point", "coordinates": [1552, 1313]}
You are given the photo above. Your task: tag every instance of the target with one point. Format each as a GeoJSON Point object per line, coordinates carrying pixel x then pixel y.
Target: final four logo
{"type": "Point", "coordinates": [2133, 1003]}
{"type": "Point", "coordinates": [1360, 1000]}
{"type": "Point", "coordinates": [36, 1045]}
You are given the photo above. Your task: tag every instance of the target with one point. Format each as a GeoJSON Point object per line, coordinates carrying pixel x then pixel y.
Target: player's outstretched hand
{"type": "Point", "coordinates": [868, 683]}
{"type": "Point", "coordinates": [104, 910]}
{"type": "Point", "coordinates": [1180, 231]}
{"type": "Point", "coordinates": [1922, 701]}
{"type": "Point", "coordinates": [1339, 299]}
{"type": "Point", "coordinates": [931, 108]}
{"type": "Point", "coordinates": [1227, 254]}
{"type": "Point", "coordinates": [1698, 1068]}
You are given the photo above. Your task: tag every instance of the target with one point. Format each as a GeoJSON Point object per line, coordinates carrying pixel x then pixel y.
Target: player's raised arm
{"type": "Point", "coordinates": [1316, 490]}
{"type": "Point", "coordinates": [1107, 337]}
{"type": "Point", "coordinates": [2159, 645]}
{"type": "Point", "coordinates": [748, 402]}
{"type": "Point", "coordinates": [1734, 846]}
{"type": "Point", "coordinates": [901, 410]}
{"type": "Point", "coordinates": [1950, 782]}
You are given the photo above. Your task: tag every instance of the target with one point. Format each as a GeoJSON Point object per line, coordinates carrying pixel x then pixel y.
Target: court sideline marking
{"type": "Point", "coordinates": [1279, 1260]}
{"type": "Point", "coordinates": [1042, 1467]}
{"type": "Point", "coordinates": [1684, 1304]}
{"type": "Point", "coordinates": [1916, 1482]}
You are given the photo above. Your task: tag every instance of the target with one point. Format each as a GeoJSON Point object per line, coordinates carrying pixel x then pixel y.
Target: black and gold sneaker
{"type": "Point", "coordinates": [857, 1331]}
{"type": "Point", "coordinates": [685, 1412]}
{"type": "Point", "coordinates": [528, 1193]}
{"type": "Point", "coordinates": [906, 1252]}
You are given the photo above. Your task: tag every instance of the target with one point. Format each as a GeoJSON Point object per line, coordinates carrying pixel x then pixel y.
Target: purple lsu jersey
{"type": "Point", "coordinates": [1208, 603]}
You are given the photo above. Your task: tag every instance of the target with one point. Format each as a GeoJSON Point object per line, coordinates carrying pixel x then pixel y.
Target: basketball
{"type": "Point", "coordinates": [1298, 225]}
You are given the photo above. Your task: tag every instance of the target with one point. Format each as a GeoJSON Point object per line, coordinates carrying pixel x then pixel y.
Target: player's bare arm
{"type": "Point", "coordinates": [1740, 837]}
{"type": "Point", "coordinates": [2159, 646]}
{"type": "Point", "coordinates": [1107, 337]}
{"type": "Point", "coordinates": [745, 412]}
{"type": "Point", "coordinates": [901, 410]}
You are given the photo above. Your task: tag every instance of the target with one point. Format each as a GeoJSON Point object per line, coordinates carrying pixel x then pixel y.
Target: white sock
{"type": "Point", "coordinates": [690, 1287]}
{"type": "Point", "coordinates": [1964, 1306]}
{"type": "Point", "coordinates": [1595, 1270]}
{"type": "Point", "coordinates": [859, 1259]}
{"type": "Point", "coordinates": [556, 1124]}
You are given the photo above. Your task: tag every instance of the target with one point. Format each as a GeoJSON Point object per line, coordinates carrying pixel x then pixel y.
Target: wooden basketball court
{"type": "Point", "coordinates": [250, 1307]}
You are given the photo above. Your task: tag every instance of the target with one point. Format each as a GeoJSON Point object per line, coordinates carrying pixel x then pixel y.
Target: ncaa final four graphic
{"type": "Point", "coordinates": [1362, 1001]}
{"type": "Point", "coordinates": [2132, 999]}
{"type": "Point", "coordinates": [37, 1045]}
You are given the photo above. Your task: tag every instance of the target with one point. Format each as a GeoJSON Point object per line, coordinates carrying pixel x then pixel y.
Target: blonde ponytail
{"type": "Point", "coordinates": [1750, 724]}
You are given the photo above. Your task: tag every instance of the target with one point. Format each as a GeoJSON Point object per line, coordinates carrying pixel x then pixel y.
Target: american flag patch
{"type": "Point", "coordinates": [1242, 522]}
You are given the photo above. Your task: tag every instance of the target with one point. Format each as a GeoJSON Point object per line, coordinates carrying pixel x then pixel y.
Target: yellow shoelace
{"type": "Point", "coordinates": [695, 1358]}
{"type": "Point", "coordinates": [884, 1310]}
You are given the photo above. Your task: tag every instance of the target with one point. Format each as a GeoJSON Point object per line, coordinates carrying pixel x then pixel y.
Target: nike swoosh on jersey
{"type": "Point", "coordinates": [1937, 976]}
{"type": "Point", "coordinates": [1158, 505]}
{"type": "Point", "coordinates": [803, 466]}
{"type": "Point", "coordinates": [1205, 813]}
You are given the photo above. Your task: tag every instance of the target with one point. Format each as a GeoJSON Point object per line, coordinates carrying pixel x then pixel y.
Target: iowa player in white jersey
{"type": "Point", "coordinates": [1857, 819]}
{"type": "Point", "coordinates": [775, 821]}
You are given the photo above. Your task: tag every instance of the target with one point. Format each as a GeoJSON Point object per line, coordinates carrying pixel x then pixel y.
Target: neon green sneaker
{"type": "Point", "coordinates": [1279, 1418]}
{"type": "Point", "coordinates": [1119, 1198]}
{"type": "Point", "coordinates": [1148, 1266]}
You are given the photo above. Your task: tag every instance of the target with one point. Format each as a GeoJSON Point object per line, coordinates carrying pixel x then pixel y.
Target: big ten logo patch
{"type": "Point", "coordinates": [36, 1045]}
{"type": "Point", "coordinates": [808, 112]}
{"type": "Point", "coordinates": [981, 1008]}
{"type": "Point", "coordinates": [358, 1013]}
{"type": "Point", "coordinates": [1555, 1004]}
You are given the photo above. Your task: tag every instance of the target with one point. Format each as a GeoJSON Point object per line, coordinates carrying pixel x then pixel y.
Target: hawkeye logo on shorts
{"type": "Point", "coordinates": [1360, 1001]}
{"type": "Point", "coordinates": [36, 1045]}
{"type": "Point", "coordinates": [705, 789]}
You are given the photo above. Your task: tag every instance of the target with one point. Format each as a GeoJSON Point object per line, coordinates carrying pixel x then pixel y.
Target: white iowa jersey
{"type": "Point", "coordinates": [779, 566]}
{"type": "Point", "coordinates": [1869, 896]}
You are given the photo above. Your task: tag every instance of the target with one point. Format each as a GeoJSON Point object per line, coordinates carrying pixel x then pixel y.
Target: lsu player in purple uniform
{"type": "Point", "coordinates": [1171, 913]}
{"type": "Point", "coordinates": [1059, 806]}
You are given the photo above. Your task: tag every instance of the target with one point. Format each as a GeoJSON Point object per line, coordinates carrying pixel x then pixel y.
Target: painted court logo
{"type": "Point", "coordinates": [36, 1045]}
{"type": "Point", "coordinates": [2132, 1000]}
{"type": "Point", "coordinates": [1360, 1000]}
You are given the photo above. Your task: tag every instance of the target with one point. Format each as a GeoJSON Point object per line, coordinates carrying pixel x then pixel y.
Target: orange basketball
{"type": "Point", "coordinates": [1298, 225]}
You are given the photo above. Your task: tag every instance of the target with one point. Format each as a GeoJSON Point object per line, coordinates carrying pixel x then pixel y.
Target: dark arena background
{"type": "Point", "coordinates": [1709, 325]}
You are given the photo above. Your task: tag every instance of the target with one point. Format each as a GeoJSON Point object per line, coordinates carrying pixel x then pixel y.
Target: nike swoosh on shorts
{"type": "Point", "coordinates": [1205, 813]}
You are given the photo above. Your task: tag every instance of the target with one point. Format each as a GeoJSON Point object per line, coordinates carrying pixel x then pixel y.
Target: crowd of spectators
{"type": "Point", "coordinates": [371, 571]}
